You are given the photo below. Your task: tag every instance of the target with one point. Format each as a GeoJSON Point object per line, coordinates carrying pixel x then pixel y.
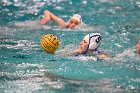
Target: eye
{"type": "Point", "coordinates": [84, 41]}
{"type": "Point", "coordinates": [76, 23]}
{"type": "Point", "coordinates": [71, 21]}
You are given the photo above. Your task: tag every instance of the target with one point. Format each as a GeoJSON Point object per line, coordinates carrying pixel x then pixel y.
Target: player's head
{"type": "Point", "coordinates": [91, 42]}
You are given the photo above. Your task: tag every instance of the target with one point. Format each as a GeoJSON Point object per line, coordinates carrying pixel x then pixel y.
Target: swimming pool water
{"type": "Point", "coordinates": [25, 67]}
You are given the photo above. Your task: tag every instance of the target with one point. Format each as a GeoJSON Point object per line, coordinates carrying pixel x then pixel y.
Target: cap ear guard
{"type": "Point", "coordinates": [92, 45]}
{"type": "Point", "coordinates": [94, 41]}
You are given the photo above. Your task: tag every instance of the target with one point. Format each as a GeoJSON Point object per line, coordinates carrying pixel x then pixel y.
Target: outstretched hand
{"type": "Point", "coordinates": [46, 19]}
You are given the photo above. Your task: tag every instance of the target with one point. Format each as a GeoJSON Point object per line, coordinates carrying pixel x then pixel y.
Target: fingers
{"type": "Point", "coordinates": [47, 13]}
{"type": "Point", "coordinates": [42, 21]}
{"type": "Point", "coordinates": [46, 19]}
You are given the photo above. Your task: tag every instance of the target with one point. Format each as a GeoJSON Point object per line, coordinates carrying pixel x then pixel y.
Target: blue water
{"type": "Point", "coordinates": [26, 68]}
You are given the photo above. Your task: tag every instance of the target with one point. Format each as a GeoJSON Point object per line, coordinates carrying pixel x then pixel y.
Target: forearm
{"type": "Point", "coordinates": [50, 16]}
{"type": "Point", "coordinates": [78, 51]}
{"type": "Point", "coordinates": [57, 20]}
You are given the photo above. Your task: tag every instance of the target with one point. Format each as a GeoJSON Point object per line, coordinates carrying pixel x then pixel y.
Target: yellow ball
{"type": "Point", "coordinates": [50, 43]}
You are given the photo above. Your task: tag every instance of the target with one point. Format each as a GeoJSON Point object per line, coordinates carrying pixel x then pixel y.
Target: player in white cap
{"type": "Point", "coordinates": [73, 22]}
{"type": "Point", "coordinates": [89, 46]}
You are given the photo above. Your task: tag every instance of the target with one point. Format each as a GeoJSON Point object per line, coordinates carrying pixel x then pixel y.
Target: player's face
{"type": "Point", "coordinates": [73, 23]}
{"type": "Point", "coordinates": [84, 45]}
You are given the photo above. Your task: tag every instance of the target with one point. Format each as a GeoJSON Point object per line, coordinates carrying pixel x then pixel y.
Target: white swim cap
{"type": "Point", "coordinates": [94, 40]}
{"type": "Point", "coordinates": [77, 17]}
